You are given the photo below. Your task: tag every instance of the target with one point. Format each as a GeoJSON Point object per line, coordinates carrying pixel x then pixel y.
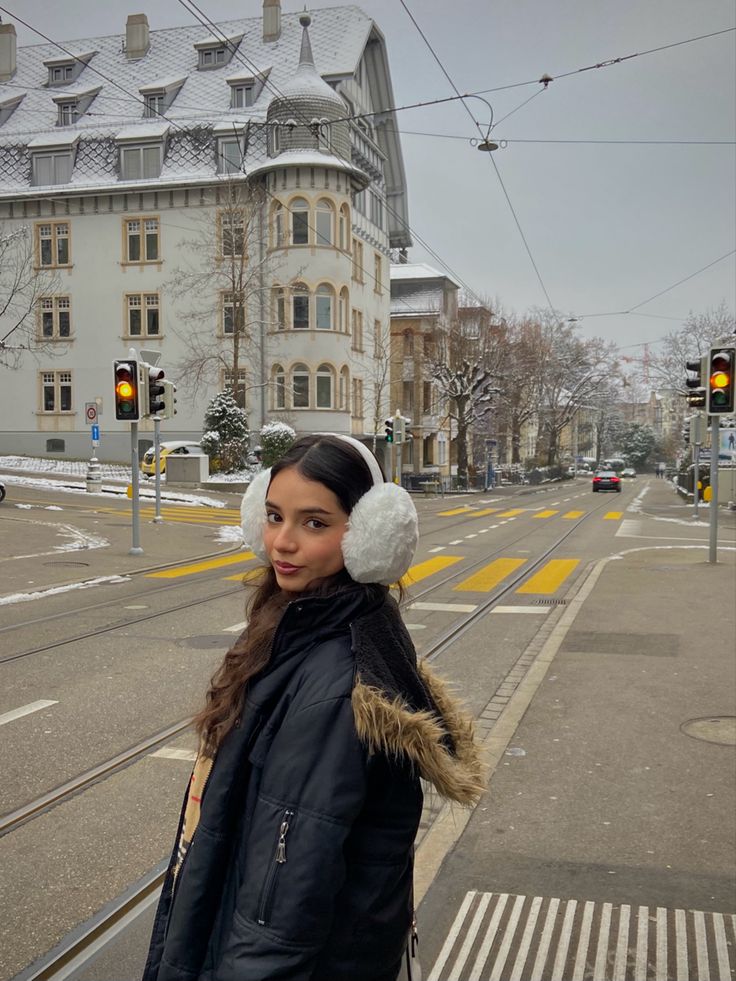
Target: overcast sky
{"type": "Point", "coordinates": [608, 224]}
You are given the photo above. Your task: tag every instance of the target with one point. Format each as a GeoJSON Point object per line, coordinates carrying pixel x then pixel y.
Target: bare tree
{"type": "Point", "coordinates": [376, 369]}
{"type": "Point", "coordinates": [22, 287]}
{"type": "Point", "coordinates": [688, 342]}
{"type": "Point", "coordinates": [228, 281]}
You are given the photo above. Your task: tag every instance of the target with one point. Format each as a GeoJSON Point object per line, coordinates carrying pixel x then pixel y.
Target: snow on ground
{"type": "Point", "coordinates": [229, 534]}
{"type": "Point", "coordinates": [79, 539]}
{"type": "Point", "coordinates": [55, 590]}
{"type": "Point", "coordinates": [75, 487]}
{"type": "Point", "coordinates": [108, 471]}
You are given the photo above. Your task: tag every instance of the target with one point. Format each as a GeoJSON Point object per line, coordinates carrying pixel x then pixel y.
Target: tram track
{"type": "Point", "coordinates": [103, 928]}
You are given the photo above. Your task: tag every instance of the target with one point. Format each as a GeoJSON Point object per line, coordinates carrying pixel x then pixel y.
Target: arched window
{"type": "Point", "coordinates": [325, 222]}
{"type": "Point", "coordinates": [300, 307]}
{"type": "Point", "coordinates": [344, 389]}
{"type": "Point", "coordinates": [325, 307]}
{"type": "Point", "coordinates": [344, 229]}
{"type": "Point", "coordinates": [278, 295]}
{"type": "Point", "coordinates": [278, 225]}
{"type": "Point", "coordinates": [299, 222]}
{"type": "Point", "coordinates": [279, 387]}
{"type": "Point", "coordinates": [325, 379]}
{"type": "Point", "coordinates": [344, 310]}
{"type": "Point", "coordinates": [300, 386]}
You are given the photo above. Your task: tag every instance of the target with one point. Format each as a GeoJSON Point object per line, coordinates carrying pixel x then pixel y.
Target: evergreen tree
{"type": "Point", "coordinates": [226, 432]}
{"type": "Point", "coordinates": [276, 438]}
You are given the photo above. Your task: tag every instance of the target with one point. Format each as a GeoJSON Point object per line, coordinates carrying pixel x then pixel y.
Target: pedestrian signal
{"type": "Point", "coordinates": [127, 403]}
{"type": "Point", "coordinates": [694, 382]}
{"type": "Point", "coordinates": [389, 425]}
{"type": "Point", "coordinates": [156, 390]}
{"type": "Point", "coordinates": [720, 388]}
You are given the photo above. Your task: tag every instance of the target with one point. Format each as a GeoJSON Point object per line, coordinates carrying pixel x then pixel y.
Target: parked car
{"type": "Point", "coordinates": [178, 447]}
{"type": "Point", "coordinates": [628, 472]}
{"type": "Point", "coordinates": [606, 480]}
{"type": "Point", "coordinates": [2, 491]}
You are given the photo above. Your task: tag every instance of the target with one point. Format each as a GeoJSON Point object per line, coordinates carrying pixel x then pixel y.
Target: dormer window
{"type": "Point", "coordinates": [52, 160]}
{"type": "Point", "coordinates": [142, 151]}
{"type": "Point", "coordinates": [67, 113]}
{"type": "Point", "coordinates": [8, 106]}
{"type": "Point", "coordinates": [158, 96]}
{"type": "Point", "coordinates": [242, 96]}
{"type": "Point", "coordinates": [62, 71]}
{"type": "Point", "coordinates": [214, 52]}
{"type": "Point", "coordinates": [245, 89]}
{"type": "Point", "coordinates": [72, 105]}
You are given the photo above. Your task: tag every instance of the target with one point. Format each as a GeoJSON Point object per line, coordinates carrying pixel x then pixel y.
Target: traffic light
{"type": "Point", "coordinates": [168, 409]}
{"type": "Point", "coordinates": [156, 390]}
{"type": "Point", "coordinates": [127, 402]}
{"type": "Point", "coordinates": [389, 424]}
{"type": "Point", "coordinates": [720, 390]}
{"type": "Point", "coordinates": [694, 382]}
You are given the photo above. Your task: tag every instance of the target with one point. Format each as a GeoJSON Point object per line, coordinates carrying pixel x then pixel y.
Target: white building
{"type": "Point", "coordinates": [122, 156]}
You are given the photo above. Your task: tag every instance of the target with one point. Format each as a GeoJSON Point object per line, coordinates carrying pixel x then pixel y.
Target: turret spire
{"type": "Point", "coordinates": [305, 55]}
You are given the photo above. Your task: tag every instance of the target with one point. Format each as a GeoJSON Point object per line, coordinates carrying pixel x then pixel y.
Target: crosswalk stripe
{"type": "Point", "coordinates": [190, 570]}
{"type": "Point", "coordinates": [546, 514]}
{"type": "Point", "coordinates": [550, 577]}
{"type": "Point", "coordinates": [428, 568]}
{"type": "Point", "coordinates": [571, 939]}
{"type": "Point", "coordinates": [613, 516]}
{"type": "Point", "coordinates": [484, 512]}
{"type": "Point", "coordinates": [248, 576]}
{"type": "Point", "coordinates": [489, 576]}
{"type": "Point", "coordinates": [448, 514]}
{"type": "Point", "coordinates": [574, 514]}
{"type": "Point", "coordinates": [512, 513]}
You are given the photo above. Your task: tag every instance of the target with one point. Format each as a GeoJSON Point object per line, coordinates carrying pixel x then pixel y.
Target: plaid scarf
{"type": "Point", "coordinates": [200, 775]}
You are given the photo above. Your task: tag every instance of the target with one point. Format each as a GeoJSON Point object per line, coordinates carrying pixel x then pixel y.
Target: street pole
{"type": "Point", "coordinates": [157, 519]}
{"type": "Point", "coordinates": [697, 439]}
{"type": "Point", "coordinates": [136, 547]}
{"type": "Point", "coordinates": [715, 423]}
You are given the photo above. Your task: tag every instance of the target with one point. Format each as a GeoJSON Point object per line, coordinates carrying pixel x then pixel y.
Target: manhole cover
{"type": "Point", "coordinates": [719, 729]}
{"type": "Point", "coordinates": [205, 643]}
{"type": "Point", "coordinates": [65, 563]}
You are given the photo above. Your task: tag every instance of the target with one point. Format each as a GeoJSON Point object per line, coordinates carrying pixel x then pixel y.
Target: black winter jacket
{"type": "Point", "coordinates": [301, 865]}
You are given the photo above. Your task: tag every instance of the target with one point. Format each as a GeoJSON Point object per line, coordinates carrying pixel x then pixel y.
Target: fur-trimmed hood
{"type": "Point", "coordinates": [403, 708]}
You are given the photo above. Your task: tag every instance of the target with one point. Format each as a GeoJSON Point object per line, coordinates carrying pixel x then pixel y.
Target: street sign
{"type": "Point", "coordinates": [90, 412]}
{"type": "Point", "coordinates": [95, 433]}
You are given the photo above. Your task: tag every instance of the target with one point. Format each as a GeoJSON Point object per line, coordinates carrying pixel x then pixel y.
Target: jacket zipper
{"type": "Point", "coordinates": [278, 859]}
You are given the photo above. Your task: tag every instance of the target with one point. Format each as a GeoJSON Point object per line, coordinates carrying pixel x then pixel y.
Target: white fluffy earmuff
{"type": "Point", "coordinates": [382, 531]}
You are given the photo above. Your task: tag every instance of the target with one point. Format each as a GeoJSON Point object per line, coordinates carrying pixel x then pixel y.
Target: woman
{"type": "Point", "coordinates": [295, 845]}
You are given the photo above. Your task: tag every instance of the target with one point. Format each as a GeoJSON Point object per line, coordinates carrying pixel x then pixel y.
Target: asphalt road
{"type": "Point", "coordinates": [125, 680]}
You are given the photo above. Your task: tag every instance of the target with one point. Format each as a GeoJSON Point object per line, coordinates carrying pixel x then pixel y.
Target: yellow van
{"type": "Point", "coordinates": [179, 447]}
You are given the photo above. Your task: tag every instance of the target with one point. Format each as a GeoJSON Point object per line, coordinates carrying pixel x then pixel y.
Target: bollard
{"type": "Point", "coordinates": [94, 476]}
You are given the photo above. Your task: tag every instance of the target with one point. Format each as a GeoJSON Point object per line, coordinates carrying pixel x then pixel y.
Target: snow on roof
{"type": "Point", "coordinates": [308, 158]}
{"type": "Point", "coordinates": [144, 131]}
{"type": "Point", "coordinates": [419, 300]}
{"type": "Point", "coordinates": [56, 138]}
{"type": "Point", "coordinates": [417, 270]}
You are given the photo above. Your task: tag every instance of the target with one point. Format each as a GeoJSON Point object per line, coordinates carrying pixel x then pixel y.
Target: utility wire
{"type": "Point", "coordinates": [493, 162]}
{"type": "Point", "coordinates": [683, 280]}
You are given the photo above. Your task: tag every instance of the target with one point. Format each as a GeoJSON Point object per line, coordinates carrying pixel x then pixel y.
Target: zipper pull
{"type": "Point", "coordinates": [283, 831]}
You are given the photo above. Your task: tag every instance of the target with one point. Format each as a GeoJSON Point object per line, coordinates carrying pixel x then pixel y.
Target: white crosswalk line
{"type": "Point", "coordinates": [451, 937]}
{"type": "Point", "coordinates": [558, 971]}
{"type": "Point", "coordinates": [25, 710]}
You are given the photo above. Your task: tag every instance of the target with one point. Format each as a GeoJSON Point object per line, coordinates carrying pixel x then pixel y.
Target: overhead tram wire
{"type": "Point", "coordinates": [208, 23]}
{"type": "Point", "coordinates": [162, 116]}
{"type": "Point", "coordinates": [490, 155]}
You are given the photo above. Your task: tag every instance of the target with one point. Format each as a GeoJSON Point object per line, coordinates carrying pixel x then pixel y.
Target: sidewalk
{"type": "Point", "coordinates": [616, 791]}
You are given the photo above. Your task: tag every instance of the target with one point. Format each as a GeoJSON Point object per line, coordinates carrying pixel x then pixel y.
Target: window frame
{"type": "Point", "coordinates": [292, 225]}
{"type": "Point", "coordinates": [300, 370]}
{"type": "Point", "coordinates": [224, 164]}
{"type": "Point", "coordinates": [57, 157]}
{"type": "Point", "coordinates": [301, 291]}
{"type": "Point", "coordinates": [127, 150]}
{"type": "Point", "coordinates": [324, 370]}
{"type": "Point", "coordinates": [377, 273]}
{"type": "Point", "coordinates": [61, 382]}
{"type": "Point", "coordinates": [143, 307]}
{"type": "Point", "coordinates": [142, 237]}
{"type": "Point", "coordinates": [55, 238]}
{"type": "Point", "coordinates": [57, 306]}
{"type": "Point", "coordinates": [324, 291]}
{"type": "Point", "coordinates": [324, 208]}
{"type": "Point", "coordinates": [278, 376]}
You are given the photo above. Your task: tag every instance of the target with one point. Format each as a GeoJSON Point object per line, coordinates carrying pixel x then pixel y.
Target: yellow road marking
{"type": "Point", "coordinates": [512, 513]}
{"type": "Point", "coordinates": [447, 514]}
{"type": "Point", "coordinates": [613, 515]}
{"type": "Point", "coordinates": [546, 514]}
{"type": "Point", "coordinates": [574, 514]}
{"type": "Point", "coordinates": [248, 576]}
{"type": "Point", "coordinates": [489, 576]}
{"type": "Point", "coordinates": [550, 577]}
{"type": "Point", "coordinates": [428, 568]}
{"type": "Point", "coordinates": [480, 514]}
{"type": "Point", "coordinates": [189, 570]}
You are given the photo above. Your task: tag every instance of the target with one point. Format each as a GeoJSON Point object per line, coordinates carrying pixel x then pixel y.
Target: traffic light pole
{"type": "Point", "coordinates": [135, 500]}
{"type": "Point", "coordinates": [715, 425]}
{"type": "Point", "coordinates": [697, 440]}
{"type": "Point", "coordinates": [157, 519]}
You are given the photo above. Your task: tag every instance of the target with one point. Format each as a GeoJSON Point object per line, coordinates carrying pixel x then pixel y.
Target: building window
{"type": "Point", "coordinates": [140, 162]}
{"type": "Point", "coordinates": [357, 261]}
{"type": "Point", "coordinates": [344, 228]}
{"type": "Point", "coordinates": [212, 57]}
{"type": "Point", "coordinates": [230, 157]}
{"type": "Point", "coordinates": [376, 210]}
{"type": "Point", "coordinates": [279, 387]}
{"type": "Point", "coordinates": [142, 240]}
{"type": "Point", "coordinates": [242, 96]}
{"type": "Point", "coordinates": [357, 330]}
{"type": "Point", "coordinates": [300, 386]}
{"type": "Point", "coordinates": [377, 272]}
{"type": "Point", "coordinates": [154, 105]}
{"type": "Point", "coordinates": [53, 244]}
{"type": "Point", "coordinates": [279, 307]}
{"type": "Point", "coordinates": [143, 315]}
{"type": "Point", "coordinates": [64, 73]}
{"type": "Point", "coordinates": [299, 222]}
{"type": "Point", "coordinates": [357, 398]}
{"type": "Point", "coordinates": [325, 307]}
{"type": "Point", "coordinates": [232, 224]}
{"type": "Point", "coordinates": [55, 317]}
{"type": "Point", "coordinates": [228, 314]}
{"type": "Point", "coordinates": [278, 225]}
{"type": "Point", "coordinates": [342, 398]}
{"type": "Point", "coordinates": [67, 114]}
{"type": "Point", "coordinates": [56, 391]}
{"type": "Point", "coordinates": [325, 222]}
{"type": "Point", "coordinates": [300, 307]}
{"type": "Point", "coordinates": [427, 397]}
{"type": "Point", "coordinates": [325, 379]}
{"type": "Point", "coordinates": [52, 168]}
{"type": "Point", "coordinates": [344, 325]}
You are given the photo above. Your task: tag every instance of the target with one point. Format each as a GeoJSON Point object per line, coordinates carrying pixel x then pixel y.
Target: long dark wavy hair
{"type": "Point", "coordinates": [341, 468]}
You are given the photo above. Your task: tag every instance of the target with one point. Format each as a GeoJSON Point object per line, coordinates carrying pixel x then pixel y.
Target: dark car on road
{"type": "Point", "coordinates": [606, 480]}
{"type": "Point", "coordinates": [2, 491]}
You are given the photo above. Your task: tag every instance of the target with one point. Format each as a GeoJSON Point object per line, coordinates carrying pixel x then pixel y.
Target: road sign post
{"type": "Point", "coordinates": [157, 519]}
{"type": "Point", "coordinates": [715, 423]}
{"type": "Point", "coordinates": [696, 439]}
{"type": "Point", "coordinates": [135, 548]}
